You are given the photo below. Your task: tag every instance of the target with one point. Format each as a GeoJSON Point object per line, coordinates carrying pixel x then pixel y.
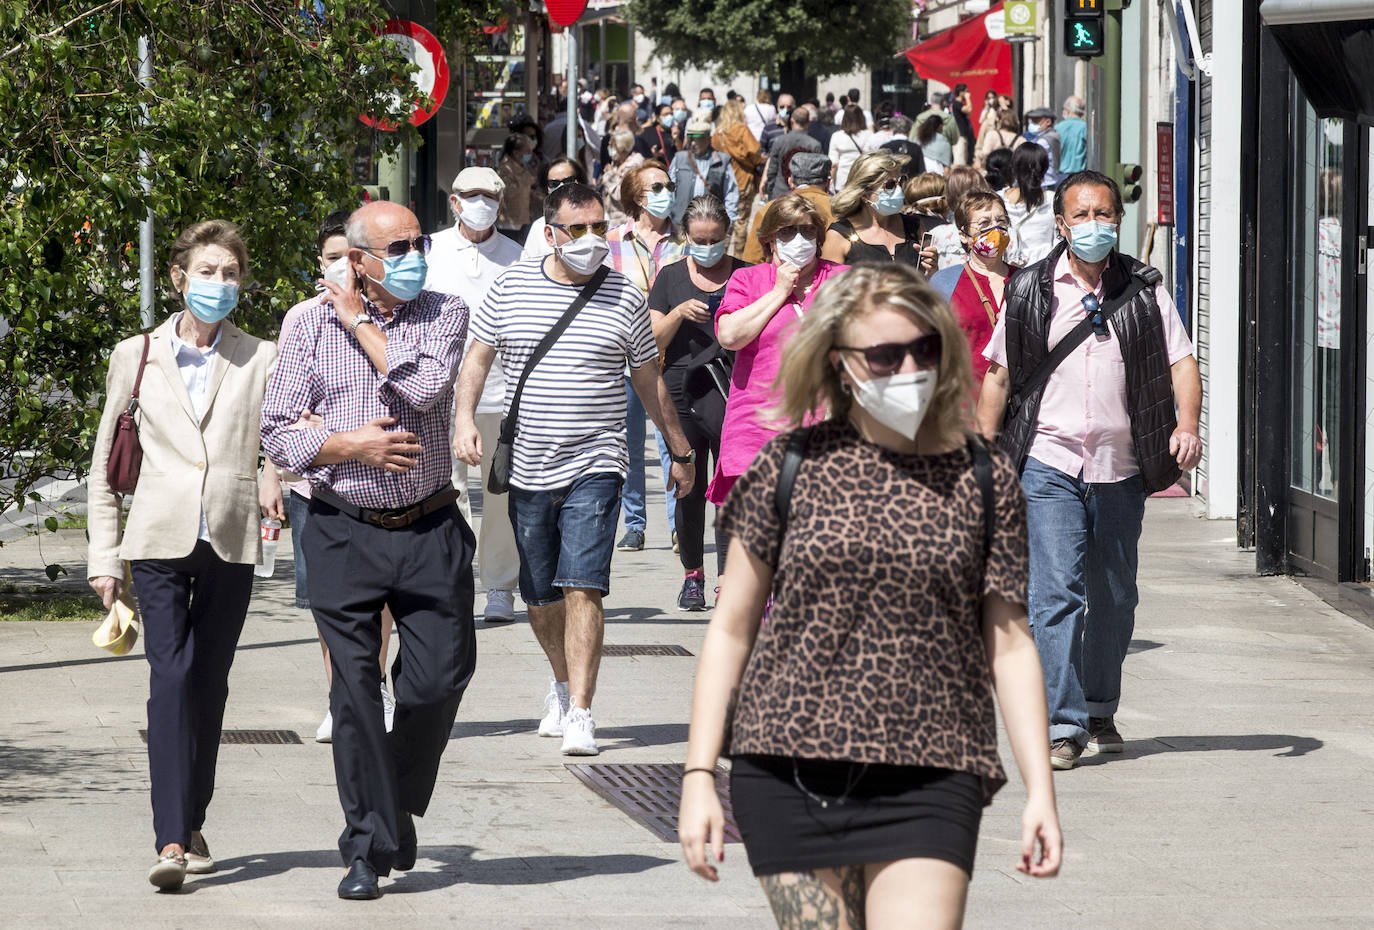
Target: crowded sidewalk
{"type": "Point", "coordinates": [1237, 803]}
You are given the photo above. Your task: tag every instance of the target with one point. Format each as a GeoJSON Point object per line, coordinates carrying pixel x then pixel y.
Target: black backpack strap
{"type": "Point", "coordinates": [982, 473]}
{"type": "Point", "coordinates": [1144, 277]}
{"type": "Point", "coordinates": [787, 475]}
{"type": "Point", "coordinates": [588, 289]}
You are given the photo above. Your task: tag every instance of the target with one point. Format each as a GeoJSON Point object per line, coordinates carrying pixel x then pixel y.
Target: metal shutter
{"type": "Point", "coordinates": [1202, 242]}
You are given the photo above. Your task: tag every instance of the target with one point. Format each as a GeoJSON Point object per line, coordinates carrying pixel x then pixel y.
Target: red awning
{"type": "Point", "coordinates": [496, 29]}
{"type": "Point", "coordinates": [966, 54]}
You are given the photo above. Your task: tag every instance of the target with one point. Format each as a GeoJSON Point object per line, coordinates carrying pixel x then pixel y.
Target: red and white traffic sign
{"type": "Point", "coordinates": [420, 47]}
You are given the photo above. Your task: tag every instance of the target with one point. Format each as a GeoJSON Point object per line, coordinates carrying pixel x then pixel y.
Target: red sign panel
{"type": "Point", "coordinates": [420, 46]}
{"type": "Point", "coordinates": [1164, 171]}
{"type": "Point", "coordinates": [566, 12]}
{"type": "Point", "coordinates": [967, 54]}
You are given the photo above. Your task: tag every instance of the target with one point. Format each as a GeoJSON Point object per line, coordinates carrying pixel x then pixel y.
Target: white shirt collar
{"type": "Point", "coordinates": [178, 344]}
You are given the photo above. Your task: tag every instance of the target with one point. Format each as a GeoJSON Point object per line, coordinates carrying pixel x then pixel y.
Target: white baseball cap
{"type": "Point", "coordinates": [479, 179]}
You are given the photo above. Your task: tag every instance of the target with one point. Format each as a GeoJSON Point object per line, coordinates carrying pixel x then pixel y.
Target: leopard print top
{"type": "Point", "coordinates": [873, 649]}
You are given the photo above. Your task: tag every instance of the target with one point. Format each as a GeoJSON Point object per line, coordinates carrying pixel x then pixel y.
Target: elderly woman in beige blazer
{"type": "Point", "coordinates": [192, 535]}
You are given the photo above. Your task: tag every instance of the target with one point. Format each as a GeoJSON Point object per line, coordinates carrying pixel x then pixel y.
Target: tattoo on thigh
{"type": "Point", "coordinates": [802, 901]}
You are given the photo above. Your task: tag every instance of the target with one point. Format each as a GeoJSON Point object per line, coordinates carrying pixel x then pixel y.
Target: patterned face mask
{"type": "Point", "coordinates": [991, 244]}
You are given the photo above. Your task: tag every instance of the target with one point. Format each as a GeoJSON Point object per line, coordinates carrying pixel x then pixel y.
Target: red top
{"type": "Point", "coordinates": [973, 317]}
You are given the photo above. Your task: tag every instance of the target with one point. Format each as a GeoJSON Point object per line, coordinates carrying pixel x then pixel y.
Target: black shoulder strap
{"type": "Point", "coordinates": [787, 475]}
{"type": "Point", "coordinates": [588, 289]}
{"type": "Point", "coordinates": [982, 473]}
{"type": "Point", "coordinates": [1144, 277]}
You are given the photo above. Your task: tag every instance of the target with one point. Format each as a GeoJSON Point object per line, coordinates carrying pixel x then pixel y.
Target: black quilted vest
{"type": "Point", "coordinates": [1139, 329]}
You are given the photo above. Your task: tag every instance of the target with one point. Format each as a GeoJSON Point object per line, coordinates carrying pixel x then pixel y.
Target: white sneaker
{"type": "Point", "coordinates": [555, 707]}
{"type": "Point", "coordinates": [579, 733]}
{"type": "Point", "coordinates": [500, 607]}
{"type": "Point", "coordinates": [325, 733]}
{"type": "Point", "coordinates": [388, 706]}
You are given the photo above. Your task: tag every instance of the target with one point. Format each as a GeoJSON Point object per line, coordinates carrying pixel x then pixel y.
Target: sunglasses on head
{"type": "Point", "coordinates": [1094, 308]}
{"type": "Point", "coordinates": [578, 230]}
{"type": "Point", "coordinates": [885, 358]}
{"type": "Point", "coordinates": [788, 233]}
{"type": "Point", "coordinates": [893, 183]}
{"type": "Point", "coordinates": [400, 247]}
{"type": "Point", "coordinates": [657, 186]}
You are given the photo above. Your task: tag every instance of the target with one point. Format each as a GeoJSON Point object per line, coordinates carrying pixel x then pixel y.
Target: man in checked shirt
{"type": "Point", "coordinates": [375, 362]}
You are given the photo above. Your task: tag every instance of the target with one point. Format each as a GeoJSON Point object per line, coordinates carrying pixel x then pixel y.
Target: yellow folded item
{"type": "Point", "coordinates": [118, 632]}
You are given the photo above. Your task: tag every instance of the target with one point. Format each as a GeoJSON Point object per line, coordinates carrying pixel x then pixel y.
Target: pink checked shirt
{"type": "Point", "coordinates": [1083, 426]}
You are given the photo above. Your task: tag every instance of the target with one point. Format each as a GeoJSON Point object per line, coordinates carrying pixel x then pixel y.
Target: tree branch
{"type": "Point", "coordinates": [64, 27]}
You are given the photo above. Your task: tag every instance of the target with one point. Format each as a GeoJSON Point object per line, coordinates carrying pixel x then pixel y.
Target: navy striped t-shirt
{"type": "Point", "coordinates": [572, 413]}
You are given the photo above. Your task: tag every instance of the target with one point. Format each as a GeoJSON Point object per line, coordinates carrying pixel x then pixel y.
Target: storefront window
{"type": "Point", "coordinates": [1317, 319]}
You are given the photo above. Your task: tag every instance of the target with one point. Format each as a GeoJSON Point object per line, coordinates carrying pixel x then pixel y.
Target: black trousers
{"type": "Point", "coordinates": [193, 610]}
{"type": "Point", "coordinates": [424, 573]}
{"type": "Point", "coordinates": [691, 510]}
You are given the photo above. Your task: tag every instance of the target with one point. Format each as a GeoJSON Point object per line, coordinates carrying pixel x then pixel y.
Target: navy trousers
{"type": "Point", "coordinates": [193, 610]}
{"type": "Point", "coordinates": [424, 573]}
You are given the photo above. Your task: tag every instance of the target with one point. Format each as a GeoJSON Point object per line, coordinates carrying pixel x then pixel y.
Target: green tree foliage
{"type": "Point", "coordinates": [750, 36]}
{"type": "Point", "coordinates": [251, 115]}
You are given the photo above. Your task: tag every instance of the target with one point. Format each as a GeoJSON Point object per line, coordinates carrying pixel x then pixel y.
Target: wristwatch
{"type": "Point", "coordinates": [687, 459]}
{"type": "Point", "coordinates": [358, 321]}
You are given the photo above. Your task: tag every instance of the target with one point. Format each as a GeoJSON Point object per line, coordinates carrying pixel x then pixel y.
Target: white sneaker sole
{"type": "Point", "coordinates": [550, 731]}
{"type": "Point", "coordinates": [591, 750]}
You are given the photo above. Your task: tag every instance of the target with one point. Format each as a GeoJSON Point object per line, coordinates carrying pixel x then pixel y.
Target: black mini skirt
{"type": "Point", "coordinates": [796, 815]}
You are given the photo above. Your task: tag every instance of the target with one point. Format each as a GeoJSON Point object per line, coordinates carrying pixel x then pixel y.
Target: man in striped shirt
{"type": "Point", "coordinates": [570, 458]}
{"type": "Point", "coordinates": [375, 360]}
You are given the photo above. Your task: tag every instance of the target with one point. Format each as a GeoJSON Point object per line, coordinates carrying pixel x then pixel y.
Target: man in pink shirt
{"type": "Point", "coordinates": [1115, 420]}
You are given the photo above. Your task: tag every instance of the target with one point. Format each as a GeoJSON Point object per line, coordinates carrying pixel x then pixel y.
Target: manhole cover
{"type": "Point", "coordinates": [650, 794]}
{"type": "Point", "coordinates": [644, 651]}
{"type": "Point", "coordinates": [251, 737]}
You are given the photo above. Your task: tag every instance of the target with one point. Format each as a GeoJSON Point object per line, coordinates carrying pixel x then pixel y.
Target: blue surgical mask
{"type": "Point", "coordinates": [660, 204]}
{"type": "Point", "coordinates": [1092, 241]}
{"type": "Point", "coordinates": [211, 301]}
{"type": "Point", "coordinates": [667, 121]}
{"type": "Point", "coordinates": [405, 275]}
{"type": "Point", "coordinates": [784, 112]}
{"type": "Point", "coordinates": [525, 158]}
{"type": "Point", "coordinates": [679, 116]}
{"type": "Point", "coordinates": [706, 255]}
{"type": "Point", "coordinates": [706, 103]}
{"type": "Point", "coordinates": [889, 202]}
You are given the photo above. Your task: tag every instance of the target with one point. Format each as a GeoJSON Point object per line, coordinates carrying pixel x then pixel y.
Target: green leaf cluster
{"type": "Point", "coordinates": [752, 36]}
{"type": "Point", "coordinates": [251, 115]}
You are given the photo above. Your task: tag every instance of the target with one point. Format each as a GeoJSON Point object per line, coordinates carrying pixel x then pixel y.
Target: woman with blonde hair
{"type": "Point", "coordinates": [757, 315]}
{"type": "Point", "coordinates": [734, 138]}
{"type": "Point", "coordinates": [925, 196]}
{"type": "Point", "coordinates": [864, 738]}
{"type": "Point", "coordinates": [870, 225]}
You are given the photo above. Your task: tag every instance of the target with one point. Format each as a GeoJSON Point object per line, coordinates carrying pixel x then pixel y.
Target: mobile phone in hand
{"type": "Point", "coordinates": [927, 241]}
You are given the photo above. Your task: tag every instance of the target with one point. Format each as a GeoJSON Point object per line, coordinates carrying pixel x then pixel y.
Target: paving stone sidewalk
{"type": "Point", "coordinates": [1243, 799]}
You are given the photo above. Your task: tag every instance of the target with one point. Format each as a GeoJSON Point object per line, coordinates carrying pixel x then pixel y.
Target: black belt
{"type": "Point", "coordinates": [396, 519]}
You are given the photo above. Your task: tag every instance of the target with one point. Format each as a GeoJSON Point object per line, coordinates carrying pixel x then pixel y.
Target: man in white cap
{"type": "Point", "coordinates": [464, 260]}
{"type": "Point", "coordinates": [699, 169]}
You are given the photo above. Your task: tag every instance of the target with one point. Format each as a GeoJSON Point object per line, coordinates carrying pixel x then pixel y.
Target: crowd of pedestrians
{"type": "Point", "coordinates": [902, 357]}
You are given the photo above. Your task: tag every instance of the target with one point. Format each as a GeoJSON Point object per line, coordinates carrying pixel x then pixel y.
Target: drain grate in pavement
{"type": "Point", "coordinates": [649, 794]}
{"type": "Point", "coordinates": [644, 651]}
{"type": "Point", "coordinates": [251, 737]}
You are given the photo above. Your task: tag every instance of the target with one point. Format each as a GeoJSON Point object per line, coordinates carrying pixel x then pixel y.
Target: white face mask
{"type": "Point", "coordinates": [584, 254]}
{"type": "Point", "coordinates": [898, 402]}
{"type": "Point", "coordinates": [337, 272]}
{"type": "Point", "coordinates": [478, 212]}
{"type": "Point", "coordinates": [798, 250]}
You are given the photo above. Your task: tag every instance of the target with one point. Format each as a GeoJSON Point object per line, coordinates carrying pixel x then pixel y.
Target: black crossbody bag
{"type": "Point", "coordinates": [498, 480]}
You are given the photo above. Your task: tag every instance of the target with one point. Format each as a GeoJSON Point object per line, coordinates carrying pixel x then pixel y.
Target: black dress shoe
{"type": "Point", "coordinates": [407, 843]}
{"type": "Point", "coordinates": [360, 884]}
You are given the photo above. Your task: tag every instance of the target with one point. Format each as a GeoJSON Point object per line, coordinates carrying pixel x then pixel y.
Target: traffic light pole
{"type": "Point", "coordinates": [1110, 70]}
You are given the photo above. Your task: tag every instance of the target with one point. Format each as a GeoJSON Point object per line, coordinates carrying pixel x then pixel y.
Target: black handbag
{"type": "Point", "coordinates": [706, 387]}
{"type": "Point", "coordinates": [498, 479]}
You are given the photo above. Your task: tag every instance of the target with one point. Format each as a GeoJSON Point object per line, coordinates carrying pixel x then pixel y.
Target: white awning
{"type": "Point", "coordinates": [1297, 12]}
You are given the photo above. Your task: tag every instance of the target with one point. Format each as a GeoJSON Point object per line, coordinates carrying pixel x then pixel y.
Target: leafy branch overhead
{"type": "Point", "coordinates": [251, 115]}
{"type": "Point", "coordinates": [752, 36]}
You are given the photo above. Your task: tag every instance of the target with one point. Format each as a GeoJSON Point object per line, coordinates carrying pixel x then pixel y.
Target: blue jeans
{"type": "Point", "coordinates": [1083, 561]}
{"type": "Point", "coordinates": [565, 536]}
{"type": "Point", "coordinates": [632, 503]}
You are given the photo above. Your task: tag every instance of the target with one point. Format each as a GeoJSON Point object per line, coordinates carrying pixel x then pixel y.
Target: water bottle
{"type": "Point", "coordinates": [271, 532]}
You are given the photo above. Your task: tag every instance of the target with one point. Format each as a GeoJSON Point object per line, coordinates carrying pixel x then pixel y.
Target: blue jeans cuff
{"type": "Point", "coordinates": [1069, 731]}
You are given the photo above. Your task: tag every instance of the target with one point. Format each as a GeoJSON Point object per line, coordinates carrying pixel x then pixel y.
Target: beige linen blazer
{"type": "Point", "coordinates": [188, 463]}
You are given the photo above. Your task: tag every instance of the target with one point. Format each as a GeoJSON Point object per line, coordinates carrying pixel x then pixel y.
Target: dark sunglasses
{"type": "Point", "coordinates": [400, 247]}
{"type": "Point", "coordinates": [578, 230]}
{"type": "Point", "coordinates": [894, 183]}
{"type": "Point", "coordinates": [885, 358]}
{"type": "Point", "coordinates": [555, 183]}
{"type": "Point", "coordinates": [788, 233]}
{"type": "Point", "coordinates": [1090, 303]}
{"type": "Point", "coordinates": [657, 186]}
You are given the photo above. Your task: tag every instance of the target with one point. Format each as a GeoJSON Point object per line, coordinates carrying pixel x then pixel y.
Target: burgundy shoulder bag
{"type": "Point", "coordinates": [126, 455]}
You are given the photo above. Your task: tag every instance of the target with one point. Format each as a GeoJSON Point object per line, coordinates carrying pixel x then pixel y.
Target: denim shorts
{"type": "Point", "coordinates": [297, 512]}
{"type": "Point", "coordinates": [566, 536]}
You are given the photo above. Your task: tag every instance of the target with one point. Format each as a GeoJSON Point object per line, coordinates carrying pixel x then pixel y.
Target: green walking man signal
{"type": "Point", "coordinates": [1083, 28]}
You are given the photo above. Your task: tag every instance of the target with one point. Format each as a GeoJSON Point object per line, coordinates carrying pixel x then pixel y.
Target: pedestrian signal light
{"type": "Point", "coordinates": [1129, 176]}
{"type": "Point", "coordinates": [1083, 28]}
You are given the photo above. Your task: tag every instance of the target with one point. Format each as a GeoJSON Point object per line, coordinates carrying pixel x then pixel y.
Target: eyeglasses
{"type": "Point", "coordinates": [578, 230]}
{"type": "Point", "coordinates": [788, 233]}
{"type": "Point", "coordinates": [555, 183]}
{"type": "Point", "coordinates": [885, 358]}
{"type": "Point", "coordinates": [669, 186]}
{"type": "Point", "coordinates": [1090, 304]}
{"type": "Point", "coordinates": [894, 183]}
{"type": "Point", "coordinates": [989, 226]}
{"type": "Point", "coordinates": [400, 247]}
